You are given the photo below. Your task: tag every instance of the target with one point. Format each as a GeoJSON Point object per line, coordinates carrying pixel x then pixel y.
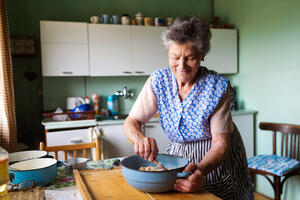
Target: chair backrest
{"type": "Point", "coordinates": [290, 138]}
{"type": "Point", "coordinates": [74, 148]}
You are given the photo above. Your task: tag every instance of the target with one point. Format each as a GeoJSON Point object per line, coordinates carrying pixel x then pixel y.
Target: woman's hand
{"type": "Point", "coordinates": [146, 147]}
{"type": "Point", "coordinates": [193, 183]}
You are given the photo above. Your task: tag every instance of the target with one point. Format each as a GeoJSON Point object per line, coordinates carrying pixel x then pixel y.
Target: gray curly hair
{"type": "Point", "coordinates": [188, 29]}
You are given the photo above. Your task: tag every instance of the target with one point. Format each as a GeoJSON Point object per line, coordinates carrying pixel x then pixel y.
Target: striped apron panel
{"type": "Point", "coordinates": [231, 180]}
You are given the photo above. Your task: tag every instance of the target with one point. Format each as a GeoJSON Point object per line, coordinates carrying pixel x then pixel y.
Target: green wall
{"type": "Point", "coordinates": [269, 67]}
{"type": "Point", "coordinates": [32, 97]}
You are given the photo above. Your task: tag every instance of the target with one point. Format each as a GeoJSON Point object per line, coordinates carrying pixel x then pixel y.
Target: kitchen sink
{"type": "Point", "coordinates": [121, 116]}
{"type": "Point", "coordinates": [117, 117]}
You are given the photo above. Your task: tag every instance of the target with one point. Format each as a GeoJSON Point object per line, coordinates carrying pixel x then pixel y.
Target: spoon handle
{"type": "Point", "coordinates": [154, 161]}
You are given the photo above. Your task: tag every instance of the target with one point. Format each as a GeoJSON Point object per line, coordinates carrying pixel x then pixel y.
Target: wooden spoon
{"type": "Point", "coordinates": [154, 161]}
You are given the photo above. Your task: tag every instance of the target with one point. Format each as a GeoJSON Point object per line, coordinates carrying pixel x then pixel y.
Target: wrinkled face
{"type": "Point", "coordinates": [184, 60]}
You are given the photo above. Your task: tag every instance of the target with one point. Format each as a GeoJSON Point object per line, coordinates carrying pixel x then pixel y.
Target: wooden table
{"type": "Point", "coordinates": [110, 184]}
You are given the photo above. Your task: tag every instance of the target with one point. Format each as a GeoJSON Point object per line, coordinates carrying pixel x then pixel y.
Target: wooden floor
{"type": "Point", "coordinates": [258, 196]}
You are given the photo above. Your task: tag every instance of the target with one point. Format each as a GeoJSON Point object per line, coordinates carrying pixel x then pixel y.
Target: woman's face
{"type": "Point", "coordinates": [184, 60]}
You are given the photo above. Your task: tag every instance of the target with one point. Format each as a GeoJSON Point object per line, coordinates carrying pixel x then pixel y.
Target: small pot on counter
{"type": "Point", "coordinates": [40, 170]}
{"type": "Point", "coordinates": [25, 155]}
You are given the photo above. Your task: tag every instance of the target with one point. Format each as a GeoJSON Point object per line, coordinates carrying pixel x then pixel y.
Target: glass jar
{"type": "Point", "coordinates": [3, 174]}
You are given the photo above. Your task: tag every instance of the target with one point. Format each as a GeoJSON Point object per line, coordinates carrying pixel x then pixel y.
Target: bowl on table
{"type": "Point", "coordinates": [76, 163]}
{"type": "Point", "coordinates": [153, 181]}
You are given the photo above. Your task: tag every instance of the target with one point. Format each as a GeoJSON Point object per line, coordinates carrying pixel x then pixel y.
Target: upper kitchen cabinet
{"type": "Point", "coordinates": [118, 50]}
{"type": "Point", "coordinates": [148, 52]}
{"type": "Point", "coordinates": [222, 56]}
{"type": "Point", "coordinates": [64, 47]}
{"type": "Point", "coordinates": [109, 49]}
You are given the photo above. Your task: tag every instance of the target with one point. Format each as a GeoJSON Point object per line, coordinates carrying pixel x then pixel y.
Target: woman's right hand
{"type": "Point", "coordinates": [146, 147]}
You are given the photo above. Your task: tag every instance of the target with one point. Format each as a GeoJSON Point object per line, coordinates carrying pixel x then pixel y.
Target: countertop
{"type": "Point", "coordinates": [50, 125]}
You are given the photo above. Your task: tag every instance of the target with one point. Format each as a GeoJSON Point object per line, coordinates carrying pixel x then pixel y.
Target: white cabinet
{"type": "Point", "coordinates": [154, 130]}
{"type": "Point", "coordinates": [222, 56]}
{"type": "Point", "coordinates": [69, 137]}
{"type": "Point", "coordinates": [148, 52]}
{"type": "Point", "coordinates": [119, 50]}
{"type": "Point", "coordinates": [245, 124]}
{"type": "Point", "coordinates": [109, 49]}
{"type": "Point", "coordinates": [115, 142]}
{"type": "Point", "coordinates": [64, 47]}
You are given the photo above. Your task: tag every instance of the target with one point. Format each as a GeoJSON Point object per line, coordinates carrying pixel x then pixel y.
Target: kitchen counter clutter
{"type": "Point", "coordinates": [114, 140]}
{"type": "Point", "coordinates": [49, 125]}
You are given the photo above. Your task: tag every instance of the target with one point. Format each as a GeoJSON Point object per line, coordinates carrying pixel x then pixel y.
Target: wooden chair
{"type": "Point", "coordinates": [74, 148]}
{"type": "Point", "coordinates": [272, 165]}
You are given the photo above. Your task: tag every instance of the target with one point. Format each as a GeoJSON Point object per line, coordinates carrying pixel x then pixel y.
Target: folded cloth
{"type": "Point", "coordinates": [65, 178]}
{"type": "Point", "coordinates": [70, 193]}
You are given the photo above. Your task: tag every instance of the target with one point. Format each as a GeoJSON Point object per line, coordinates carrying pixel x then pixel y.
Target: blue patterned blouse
{"type": "Point", "coordinates": [187, 120]}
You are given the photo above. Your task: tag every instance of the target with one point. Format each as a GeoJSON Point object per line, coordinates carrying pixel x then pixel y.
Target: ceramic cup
{"type": "Point", "coordinates": [139, 20]}
{"type": "Point", "coordinates": [148, 21]}
{"type": "Point", "coordinates": [94, 19]}
{"type": "Point", "coordinates": [105, 19]}
{"type": "Point", "coordinates": [159, 21]}
{"type": "Point", "coordinates": [115, 19]}
{"type": "Point", "coordinates": [125, 20]}
{"type": "Point", "coordinates": [169, 21]}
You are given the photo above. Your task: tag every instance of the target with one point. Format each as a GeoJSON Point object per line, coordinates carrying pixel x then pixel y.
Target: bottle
{"type": "Point", "coordinates": [3, 174]}
{"type": "Point", "coordinates": [87, 100]}
{"type": "Point", "coordinates": [113, 104]}
{"type": "Point", "coordinates": [95, 98]}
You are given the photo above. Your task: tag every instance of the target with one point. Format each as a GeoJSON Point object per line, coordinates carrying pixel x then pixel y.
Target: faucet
{"type": "Point", "coordinates": [125, 93]}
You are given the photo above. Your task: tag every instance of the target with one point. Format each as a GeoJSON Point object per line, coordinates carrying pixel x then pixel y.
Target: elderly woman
{"type": "Point", "coordinates": [193, 104]}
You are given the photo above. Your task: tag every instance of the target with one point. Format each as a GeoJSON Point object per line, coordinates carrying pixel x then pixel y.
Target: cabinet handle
{"type": "Point", "coordinates": [139, 72]}
{"type": "Point", "coordinates": [149, 126]}
{"type": "Point", "coordinates": [127, 72]}
{"type": "Point", "coordinates": [76, 141]}
{"type": "Point", "coordinates": [65, 72]}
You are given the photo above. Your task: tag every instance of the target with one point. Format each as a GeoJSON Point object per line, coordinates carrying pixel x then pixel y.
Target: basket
{"type": "Point", "coordinates": [69, 116]}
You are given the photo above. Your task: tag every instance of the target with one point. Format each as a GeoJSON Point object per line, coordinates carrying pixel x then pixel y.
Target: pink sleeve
{"type": "Point", "coordinates": [145, 106]}
{"type": "Point", "coordinates": [221, 119]}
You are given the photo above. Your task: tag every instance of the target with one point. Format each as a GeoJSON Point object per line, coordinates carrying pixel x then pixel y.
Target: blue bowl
{"type": "Point", "coordinates": [153, 182]}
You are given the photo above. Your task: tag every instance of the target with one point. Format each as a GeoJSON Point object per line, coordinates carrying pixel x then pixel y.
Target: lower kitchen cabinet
{"type": "Point", "coordinates": [115, 142]}
{"type": "Point", "coordinates": [69, 137]}
{"type": "Point", "coordinates": [154, 130]}
{"type": "Point", "coordinates": [245, 122]}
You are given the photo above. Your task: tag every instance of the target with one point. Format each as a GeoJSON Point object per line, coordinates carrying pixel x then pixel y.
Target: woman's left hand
{"type": "Point", "coordinates": [193, 183]}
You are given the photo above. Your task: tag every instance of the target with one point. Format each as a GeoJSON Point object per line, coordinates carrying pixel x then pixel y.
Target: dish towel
{"type": "Point", "coordinates": [95, 132]}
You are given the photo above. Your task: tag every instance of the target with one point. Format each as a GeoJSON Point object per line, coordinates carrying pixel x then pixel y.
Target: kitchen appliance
{"type": "Point", "coordinates": [73, 102]}
{"type": "Point", "coordinates": [153, 181]}
{"type": "Point", "coordinates": [40, 170]}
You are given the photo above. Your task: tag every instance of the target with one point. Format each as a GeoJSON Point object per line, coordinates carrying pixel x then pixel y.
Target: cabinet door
{"type": "Point", "coordinates": [245, 124]}
{"type": "Point", "coordinates": [115, 142]}
{"type": "Point", "coordinates": [63, 32]}
{"type": "Point", "coordinates": [148, 52]}
{"type": "Point", "coordinates": [69, 137]}
{"type": "Point", "coordinates": [109, 50]}
{"type": "Point", "coordinates": [154, 130]}
{"type": "Point", "coordinates": [222, 56]}
{"type": "Point", "coordinates": [67, 59]}
{"type": "Point", "coordinates": [64, 47]}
